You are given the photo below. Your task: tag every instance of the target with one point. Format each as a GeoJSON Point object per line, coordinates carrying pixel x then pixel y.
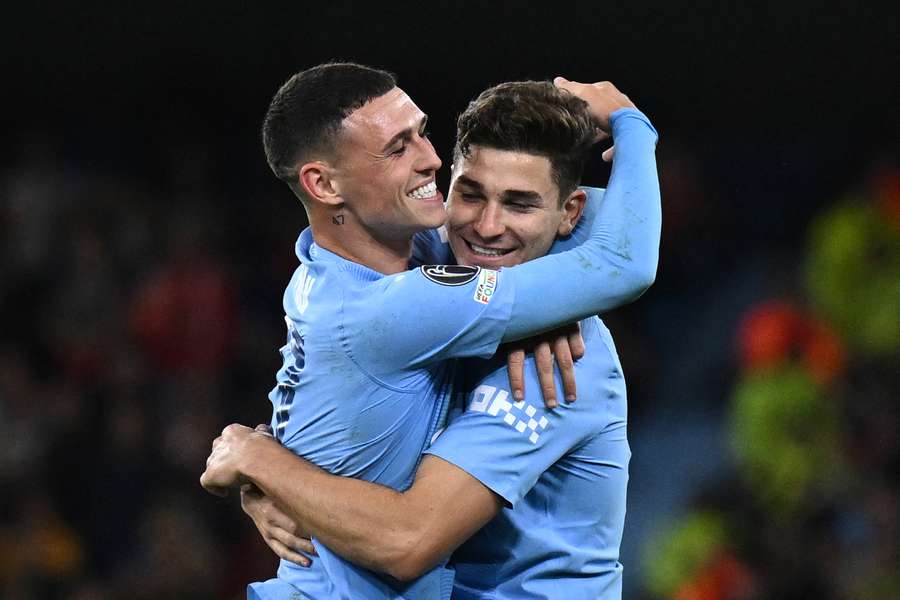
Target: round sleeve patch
{"type": "Point", "coordinates": [451, 275]}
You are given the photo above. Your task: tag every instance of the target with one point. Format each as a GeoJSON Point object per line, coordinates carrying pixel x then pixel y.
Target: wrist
{"type": "Point", "coordinates": [627, 118]}
{"type": "Point", "coordinates": [256, 454]}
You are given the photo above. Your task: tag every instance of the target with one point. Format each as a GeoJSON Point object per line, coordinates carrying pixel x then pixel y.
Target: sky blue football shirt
{"type": "Point", "coordinates": [562, 473]}
{"type": "Point", "coordinates": [366, 376]}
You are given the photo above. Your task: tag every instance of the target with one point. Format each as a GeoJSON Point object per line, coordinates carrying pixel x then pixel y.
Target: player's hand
{"type": "Point", "coordinates": [279, 531]}
{"type": "Point", "coordinates": [565, 345]}
{"type": "Point", "coordinates": [603, 99]}
{"type": "Point", "coordinates": [228, 450]}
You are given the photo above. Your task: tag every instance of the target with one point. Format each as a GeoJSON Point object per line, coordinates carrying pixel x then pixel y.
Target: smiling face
{"type": "Point", "coordinates": [386, 171]}
{"type": "Point", "coordinates": [504, 208]}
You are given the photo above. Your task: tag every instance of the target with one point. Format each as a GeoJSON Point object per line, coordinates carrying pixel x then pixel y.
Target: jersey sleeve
{"type": "Point", "coordinates": [423, 316]}
{"type": "Point", "coordinates": [507, 445]}
{"type": "Point", "coordinates": [617, 262]}
{"type": "Point", "coordinates": [585, 224]}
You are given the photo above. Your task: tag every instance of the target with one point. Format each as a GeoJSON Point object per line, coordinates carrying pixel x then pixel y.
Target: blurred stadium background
{"type": "Point", "coordinates": [144, 247]}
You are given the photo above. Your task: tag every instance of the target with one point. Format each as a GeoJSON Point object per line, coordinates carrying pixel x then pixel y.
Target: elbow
{"type": "Point", "coordinates": [645, 279]}
{"type": "Point", "coordinates": [640, 280]}
{"type": "Point", "coordinates": [406, 571]}
{"type": "Point", "coordinates": [409, 568]}
{"type": "Point", "coordinates": [410, 559]}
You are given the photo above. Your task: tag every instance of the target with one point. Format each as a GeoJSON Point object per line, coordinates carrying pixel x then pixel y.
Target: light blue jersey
{"type": "Point", "coordinates": [563, 474]}
{"type": "Point", "coordinates": [366, 376]}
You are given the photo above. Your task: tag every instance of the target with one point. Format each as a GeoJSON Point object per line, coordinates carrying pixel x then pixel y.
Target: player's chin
{"type": "Point", "coordinates": [432, 215]}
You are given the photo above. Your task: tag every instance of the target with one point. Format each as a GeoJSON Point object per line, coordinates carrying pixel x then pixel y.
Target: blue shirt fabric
{"type": "Point", "coordinates": [359, 406]}
{"type": "Point", "coordinates": [367, 370]}
{"type": "Point", "coordinates": [562, 473]}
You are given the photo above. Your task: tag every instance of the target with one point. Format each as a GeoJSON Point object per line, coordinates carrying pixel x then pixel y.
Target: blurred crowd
{"type": "Point", "coordinates": [810, 506]}
{"type": "Point", "coordinates": [131, 332]}
{"type": "Point", "coordinates": [140, 314]}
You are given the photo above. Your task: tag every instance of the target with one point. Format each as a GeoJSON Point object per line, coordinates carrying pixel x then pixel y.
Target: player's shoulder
{"type": "Point", "coordinates": [431, 247]}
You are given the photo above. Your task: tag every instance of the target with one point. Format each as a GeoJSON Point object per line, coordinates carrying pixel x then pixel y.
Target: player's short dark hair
{"type": "Point", "coordinates": [534, 117]}
{"type": "Point", "coordinates": [306, 112]}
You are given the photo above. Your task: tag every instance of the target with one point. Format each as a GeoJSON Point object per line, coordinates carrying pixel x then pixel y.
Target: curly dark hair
{"type": "Point", "coordinates": [306, 113]}
{"type": "Point", "coordinates": [534, 117]}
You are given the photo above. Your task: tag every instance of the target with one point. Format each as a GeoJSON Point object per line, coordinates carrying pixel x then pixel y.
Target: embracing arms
{"type": "Point", "coordinates": [402, 534]}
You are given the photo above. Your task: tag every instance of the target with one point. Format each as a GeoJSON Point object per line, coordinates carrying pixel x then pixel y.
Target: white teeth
{"type": "Point", "coordinates": [426, 191]}
{"type": "Point", "coordinates": [487, 251]}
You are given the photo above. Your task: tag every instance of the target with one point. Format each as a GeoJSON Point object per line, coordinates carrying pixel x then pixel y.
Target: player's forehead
{"type": "Point", "coordinates": [498, 171]}
{"type": "Point", "coordinates": [381, 118]}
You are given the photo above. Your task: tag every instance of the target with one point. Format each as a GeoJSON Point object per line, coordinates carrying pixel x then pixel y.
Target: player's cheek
{"type": "Point", "coordinates": [462, 215]}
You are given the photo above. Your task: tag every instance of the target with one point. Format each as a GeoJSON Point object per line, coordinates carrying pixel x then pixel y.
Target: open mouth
{"type": "Point", "coordinates": [487, 252]}
{"type": "Point", "coordinates": [424, 192]}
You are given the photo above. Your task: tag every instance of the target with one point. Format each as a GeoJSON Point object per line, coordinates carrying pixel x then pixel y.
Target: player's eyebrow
{"type": "Point", "coordinates": [521, 196]}
{"type": "Point", "coordinates": [470, 183]}
{"type": "Point", "coordinates": [406, 134]}
{"type": "Point", "coordinates": [509, 195]}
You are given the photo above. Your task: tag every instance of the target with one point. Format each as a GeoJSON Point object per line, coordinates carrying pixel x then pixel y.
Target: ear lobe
{"type": "Point", "coordinates": [565, 228]}
{"type": "Point", "coordinates": [573, 207]}
{"type": "Point", "coordinates": [316, 180]}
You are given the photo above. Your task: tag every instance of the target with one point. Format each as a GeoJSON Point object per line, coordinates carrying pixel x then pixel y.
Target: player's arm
{"type": "Point", "coordinates": [469, 314]}
{"type": "Point", "coordinates": [490, 455]}
{"type": "Point", "coordinates": [618, 261]}
{"type": "Point", "coordinates": [401, 534]}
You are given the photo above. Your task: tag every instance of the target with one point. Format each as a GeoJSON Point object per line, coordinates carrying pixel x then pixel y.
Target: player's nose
{"type": "Point", "coordinates": [428, 161]}
{"type": "Point", "coordinates": [490, 222]}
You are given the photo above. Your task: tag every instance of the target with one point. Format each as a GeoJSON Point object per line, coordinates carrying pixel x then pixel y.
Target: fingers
{"type": "Point", "coordinates": [209, 485]}
{"type": "Point", "coordinates": [515, 363]}
{"type": "Point", "coordinates": [543, 360]}
{"type": "Point", "coordinates": [565, 84]}
{"type": "Point", "coordinates": [272, 521]}
{"type": "Point", "coordinates": [306, 545]}
{"type": "Point", "coordinates": [573, 86]}
{"type": "Point", "coordinates": [250, 500]}
{"type": "Point", "coordinates": [566, 366]}
{"type": "Point", "coordinates": [608, 154]}
{"type": "Point", "coordinates": [276, 518]}
{"type": "Point", "coordinates": [235, 430]}
{"type": "Point", "coordinates": [576, 342]}
{"type": "Point", "coordinates": [293, 542]}
{"type": "Point", "coordinates": [602, 97]}
{"type": "Point", "coordinates": [286, 553]}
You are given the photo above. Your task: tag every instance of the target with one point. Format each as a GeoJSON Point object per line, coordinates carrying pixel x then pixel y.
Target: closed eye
{"type": "Point", "coordinates": [520, 207]}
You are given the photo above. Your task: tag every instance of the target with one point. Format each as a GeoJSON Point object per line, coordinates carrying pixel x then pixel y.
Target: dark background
{"type": "Point", "coordinates": [146, 246]}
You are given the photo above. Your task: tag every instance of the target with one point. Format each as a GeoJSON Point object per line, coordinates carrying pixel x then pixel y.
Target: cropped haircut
{"type": "Point", "coordinates": [306, 113]}
{"type": "Point", "coordinates": [534, 117]}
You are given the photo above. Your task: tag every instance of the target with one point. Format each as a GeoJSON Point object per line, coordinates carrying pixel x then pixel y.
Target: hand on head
{"type": "Point", "coordinates": [603, 99]}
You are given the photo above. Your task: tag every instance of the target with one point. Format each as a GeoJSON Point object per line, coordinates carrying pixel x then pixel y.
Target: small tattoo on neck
{"type": "Point", "coordinates": [338, 220]}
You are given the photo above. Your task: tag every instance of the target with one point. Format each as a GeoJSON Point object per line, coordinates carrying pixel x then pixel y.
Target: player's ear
{"type": "Point", "coordinates": [317, 180]}
{"type": "Point", "coordinates": [572, 208]}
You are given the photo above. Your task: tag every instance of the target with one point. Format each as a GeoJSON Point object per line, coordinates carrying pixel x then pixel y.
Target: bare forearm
{"type": "Point", "coordinates": [363, 522]}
